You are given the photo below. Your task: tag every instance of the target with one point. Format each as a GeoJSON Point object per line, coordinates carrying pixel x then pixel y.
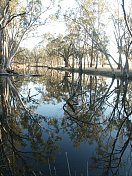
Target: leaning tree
{"type": "Point", "coordinates": [17, 19]}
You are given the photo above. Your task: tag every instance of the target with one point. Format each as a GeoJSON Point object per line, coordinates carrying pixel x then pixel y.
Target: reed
{"type": "Point", "coordinates": [49, 167]}
{"type": "Point", "coordinates": [87, 169]}
{"type": "Point", "coordinates": [68, 164]}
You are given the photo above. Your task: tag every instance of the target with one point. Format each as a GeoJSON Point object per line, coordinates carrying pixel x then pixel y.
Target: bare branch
{"type": "Point", "coordinates": [126, 18]}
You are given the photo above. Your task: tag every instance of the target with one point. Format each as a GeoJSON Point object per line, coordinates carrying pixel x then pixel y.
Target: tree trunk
{"type": "Point", "coordinates": [2, 70]}
{"type": "Point", "coordinates": [73, 61]}
{"type": "Point", "coordinates": [112, 69]}
{"type": "Point", "coordinates": [66, 62]}
{"type": "Point", "coordinates": [126, 69]}
{"type": "Point", "coordinates": [1, 67]}
{"type": "Point", "coordinates": [80, 63]}
{"type": "Point", "coordinates": [84, 62]}
{"type": "Point", "coordinates": [1, 58]}
{"type": "Point", "coordinates": [73, 57]}
{"type": "Point", "coordinates": [96, 60]}
{"type": "Point", "coordinates": [91, 54]}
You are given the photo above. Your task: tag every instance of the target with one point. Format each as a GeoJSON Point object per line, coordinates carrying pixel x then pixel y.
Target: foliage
{"type": "Point", "coordinates": [59, 47]}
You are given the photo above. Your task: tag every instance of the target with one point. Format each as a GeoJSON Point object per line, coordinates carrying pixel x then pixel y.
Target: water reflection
{"type": "Point", "coordinates": [21, 134]}
{"type": "Point", "coordinates": [103, 115]}
{"type": "Point", "coordinates": [91, 121]}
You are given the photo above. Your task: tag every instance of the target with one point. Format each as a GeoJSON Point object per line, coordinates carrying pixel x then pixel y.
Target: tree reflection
{"type": "Point", "coordinates": [102, 114]}
{"type": "Point", "coordinates": [96, 110]}
{"type": "Point", "coordinates": [22, 135]}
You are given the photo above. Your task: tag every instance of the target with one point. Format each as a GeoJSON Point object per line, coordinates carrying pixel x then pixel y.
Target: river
{"type": "Point", "coordinates": [65, 124]}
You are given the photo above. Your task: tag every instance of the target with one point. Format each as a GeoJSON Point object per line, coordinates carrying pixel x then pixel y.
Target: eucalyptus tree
{"type": "Point", "coordinates": [23, 56]}
{"type": "Point", "coordinates": [123, 36]}
{"type": "Point", "coordinates": [128, 39]}
{"type": "Point", "coordinates": [88, 19]}
{"type": "Point", "coordinates": [17, 19]}
{"type": "Point", "coordinates": [91, 17]}
{"type": "Point", "coordinates": [36, 55]}
{"type": "Point", "coordinates": [60, 47]}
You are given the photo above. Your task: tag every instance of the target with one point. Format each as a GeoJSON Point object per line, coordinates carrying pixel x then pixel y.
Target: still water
{"type": "Point", "coordinates": [65, 124]}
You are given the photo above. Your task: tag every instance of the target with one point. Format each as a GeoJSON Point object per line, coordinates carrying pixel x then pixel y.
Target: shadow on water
{"type": "Point", "coordinates": [93, 125]}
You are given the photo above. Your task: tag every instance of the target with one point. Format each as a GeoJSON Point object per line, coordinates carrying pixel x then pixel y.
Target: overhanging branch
{"type": "Point", "coordinates": [126, 18]}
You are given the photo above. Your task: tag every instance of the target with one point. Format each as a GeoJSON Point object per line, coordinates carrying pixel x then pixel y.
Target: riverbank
{"type": "Point", "coordinates": [99, 71]}
{"type": "Point", "coordinates": [105, 71]}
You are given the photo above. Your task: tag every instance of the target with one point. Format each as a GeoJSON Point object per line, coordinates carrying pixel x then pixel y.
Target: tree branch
{"type": "Point", "coordinates": [12, 19]}
{"type": "Point", "coordinates": [126, 18]}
